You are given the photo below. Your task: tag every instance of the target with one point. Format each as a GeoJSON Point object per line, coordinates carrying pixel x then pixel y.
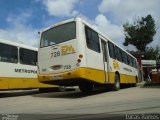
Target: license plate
{"type": "Point", "coordinates": [58, 77]}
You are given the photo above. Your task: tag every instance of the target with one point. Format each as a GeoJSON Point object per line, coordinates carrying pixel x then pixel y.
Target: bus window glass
{"type": "Point", "coordinates": [111, 50]}
{"type": "Point", "coordinates": [118, 54]}
{"type": "Point", "coordinates": [92, 40]}
{"type": "Point", "coordinates": [132, 60]}
{"type": "Point", "coordinates": [129, 60]}
{"type": "Point", "coordinates": [58, 34]}
{"type": "Point", "coordinates": [121, 53]}
{"type": "Point", "coordinates": [8, 53]}
{"type": "Point", "coordinates": [134, 63]}
{"type": "Point", "coordinates": [28, 57]}
{"type": "Point", "coordinates": [125, 58]}
{"type": "Point", "coordinates": [104, 50]}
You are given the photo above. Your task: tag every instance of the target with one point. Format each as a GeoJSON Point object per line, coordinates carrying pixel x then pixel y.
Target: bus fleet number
{"type": "Point", "coordinates": [55, 54]}
{"type": "Point", "coordinates": [66, 67]}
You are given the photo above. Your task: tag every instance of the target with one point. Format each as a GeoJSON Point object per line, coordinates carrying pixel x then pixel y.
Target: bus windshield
{"type": "Point", "coordinates": [58, 34]}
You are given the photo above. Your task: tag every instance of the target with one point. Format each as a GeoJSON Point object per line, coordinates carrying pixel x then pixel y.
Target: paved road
{"type": "Point", "coordinates": [126, 101]}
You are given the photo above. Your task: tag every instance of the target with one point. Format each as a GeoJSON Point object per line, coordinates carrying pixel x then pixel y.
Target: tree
{"type": "Point", "coordinates": [141, 33]}
{"type": "Point", "coordinates": [151, 53]}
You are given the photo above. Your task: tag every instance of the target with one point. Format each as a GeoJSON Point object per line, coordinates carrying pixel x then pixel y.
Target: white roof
{"type": "Point", "coordinates": [18, 44]}
{"type": "Point", "coordinates": [148, 62]}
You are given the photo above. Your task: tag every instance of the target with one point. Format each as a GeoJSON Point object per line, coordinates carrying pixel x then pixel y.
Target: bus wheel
{"type": "Point", "coordinates": [135, 84]}
{"type": "Point", "coordinates": [116, 85]}
{"type": "Point", "coordinates": [86, 87]}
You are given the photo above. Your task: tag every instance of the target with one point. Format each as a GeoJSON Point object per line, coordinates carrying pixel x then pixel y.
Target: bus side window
{"type": "Point", "coordinates": [134, 63]}
{"type": "Point", "coordinates": [125, 57]}
{"type": "Point", "coordinates": [122, 58]}
{"type": "Point", "coordinates": [118, 54]}
{"type": "Point", "coordinates": [131, 63]}
{"type": "Point", "coordinates": [132, 60]}
{"type": "Point", "coordinates": [8, 53]}
{"type": "Point", "coordinates": [28, 57]}
{"type": "Point", "coordinates": [111, 50]}
{"type": "Point", "coordinates": [129, 60]}
{"type": "Point", "coordinates": [92, 39]}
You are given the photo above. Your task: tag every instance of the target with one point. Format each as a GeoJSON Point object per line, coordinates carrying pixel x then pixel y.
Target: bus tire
{"type": "Point", "coordinates": [116, 85]}
{"type": "Point", "coordinates": [86, 87]}
{"type": "Point", "coordinates": [135, 84]}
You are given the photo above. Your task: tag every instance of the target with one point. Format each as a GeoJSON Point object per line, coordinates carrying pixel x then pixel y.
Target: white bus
{"type": "Point", "coordinates": [18, 67]}
{"type": "Point", "coordinates": [74, 53]}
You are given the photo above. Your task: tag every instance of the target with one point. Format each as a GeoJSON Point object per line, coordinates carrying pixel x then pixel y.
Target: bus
{"type": "Point", "coordinates": [18, 67]}
{"type": "Point", "coordinates": [74, 53]}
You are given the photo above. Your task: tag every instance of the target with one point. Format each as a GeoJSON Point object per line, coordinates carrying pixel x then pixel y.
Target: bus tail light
{"type": "Point", "coordinates": [80, 56]}
{"type": "Point", "coordinates": [78, 60]}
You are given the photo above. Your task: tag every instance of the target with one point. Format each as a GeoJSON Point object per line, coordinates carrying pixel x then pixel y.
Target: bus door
{"type": "Point", "coordinates": [105, 60]}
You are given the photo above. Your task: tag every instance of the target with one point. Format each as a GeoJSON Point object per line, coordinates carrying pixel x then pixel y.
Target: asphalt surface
{"type": "Point", "coordinates": [77, 105]}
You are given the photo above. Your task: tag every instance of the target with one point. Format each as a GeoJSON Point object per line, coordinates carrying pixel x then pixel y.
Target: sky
{"type": "Point", "coordinates": [20, 20]}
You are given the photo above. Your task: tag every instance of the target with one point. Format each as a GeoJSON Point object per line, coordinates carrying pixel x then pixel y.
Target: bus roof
{"type": "Point", "coordinates": [57, 24]}
{"type": "Point", "coordinates": [18, 44]}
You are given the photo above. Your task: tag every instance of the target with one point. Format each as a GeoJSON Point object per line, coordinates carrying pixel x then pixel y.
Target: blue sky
{"type": "Point", "coordinates": [20, 20]}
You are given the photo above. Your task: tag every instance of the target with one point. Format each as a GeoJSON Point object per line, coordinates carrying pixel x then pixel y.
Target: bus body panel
{"type": "Point", "coordinates": [52, 59]}
{"type": "Point", "coordinates": [17, 75]}
{"type": "Point", "coordinates": [127, 73]}
{"type": "Point", "coordinates": [17, 70]}
{"type": "Point", "coordinates": [95, 65]}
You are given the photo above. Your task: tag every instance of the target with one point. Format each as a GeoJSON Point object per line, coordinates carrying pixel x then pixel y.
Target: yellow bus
{"type": "Point", "coordinates": [18, 67]}
{"type": "Point", "coordinates": [74, 53]}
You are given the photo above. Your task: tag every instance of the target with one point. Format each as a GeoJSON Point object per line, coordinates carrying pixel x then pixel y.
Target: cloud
{"type": "Point", "coordinates": [122, 10]}
{"type": "Point", "coordinates": [19, 30]}
{"type": "Point", "coordinates": [127, 9]}
{"type": "Point", "coordinates": [112, 30]}
{"type": "Point", "coordinates": [61, 8]}
{"type": "Point", "coordinates": [106, 27]}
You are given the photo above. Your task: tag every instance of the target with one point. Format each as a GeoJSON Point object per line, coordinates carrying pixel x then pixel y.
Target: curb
{"type": "Point", "coordinates": [148, 84]}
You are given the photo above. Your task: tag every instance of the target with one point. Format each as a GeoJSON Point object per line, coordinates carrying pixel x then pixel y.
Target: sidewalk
{"type": "Point", "coordinates": [148, 84]}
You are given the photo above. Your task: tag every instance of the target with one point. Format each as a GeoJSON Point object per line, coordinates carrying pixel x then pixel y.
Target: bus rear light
{"type": "Point", "coordinates": [79, 60]}
{"type": "Point", "coordinates": [80, 56]}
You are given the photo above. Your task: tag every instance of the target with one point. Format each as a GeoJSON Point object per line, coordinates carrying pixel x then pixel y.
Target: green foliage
{"type": "Point", "coordinates": [141, 33]}
{"type": "Point", "coordinates": [151, 53]}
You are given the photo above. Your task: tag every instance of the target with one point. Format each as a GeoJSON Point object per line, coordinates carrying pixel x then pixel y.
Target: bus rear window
{"type": "Point", "coordinates": [58, 34]}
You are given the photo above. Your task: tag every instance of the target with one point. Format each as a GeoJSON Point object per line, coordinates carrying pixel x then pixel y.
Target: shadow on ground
{"type": "Point", "coordinates": [68, 94]}
{"type": "Point", "coordinates": [15, 93]}
{"type": "Point", "coordinates": [74, 94]}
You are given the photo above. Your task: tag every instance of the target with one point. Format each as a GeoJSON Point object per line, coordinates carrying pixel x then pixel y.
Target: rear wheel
{"type": "Point", "coordinates": [135, 84]}
{"type": "Point", "coordinates": [116, 85]}
{"type": "Point", "coordinates": [86, 87]}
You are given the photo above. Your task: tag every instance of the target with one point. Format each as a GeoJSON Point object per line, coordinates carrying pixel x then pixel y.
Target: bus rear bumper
{"type": "Point", "coordinates": [65, 78]}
